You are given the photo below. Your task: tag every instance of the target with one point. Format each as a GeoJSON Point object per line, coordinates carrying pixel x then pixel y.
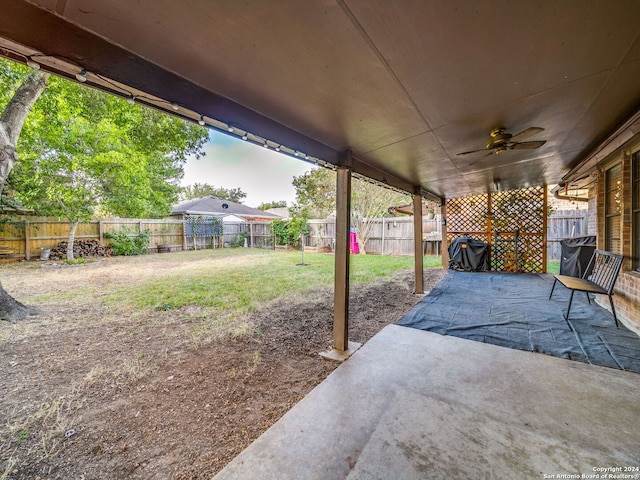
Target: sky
{"type": "Point", "coordinates": [263, 174]}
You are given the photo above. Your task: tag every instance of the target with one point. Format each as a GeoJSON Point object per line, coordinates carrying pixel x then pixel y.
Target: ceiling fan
{"type": "Point", "coordinates": [500, 141]}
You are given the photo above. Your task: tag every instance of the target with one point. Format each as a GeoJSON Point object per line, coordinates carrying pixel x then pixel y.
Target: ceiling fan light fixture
{"type": "Point", "coordinates": [500, 148]}
{"type": "Point", "coordinates": [500, 140]}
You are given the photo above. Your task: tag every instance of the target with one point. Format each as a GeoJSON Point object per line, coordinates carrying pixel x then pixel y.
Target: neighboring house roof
{"type": "Point", "coordinates": [280, 211]}
{"type": "Point", "coordinates": [220, 208]}
{"type": "Point", "coordinates": [234, 219]}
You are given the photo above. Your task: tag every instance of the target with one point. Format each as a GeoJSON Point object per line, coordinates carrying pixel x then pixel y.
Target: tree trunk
{"type": "Point", "coordinates": [13, 118]}
{"type": "Point", "coordinates": [72, 238]}
{"type": "Point", "coordinates": [11, 123]}
{"type": "Point", "coordinates": [12, 310]}
{"type": "Point", "coordinates": [361, 241]}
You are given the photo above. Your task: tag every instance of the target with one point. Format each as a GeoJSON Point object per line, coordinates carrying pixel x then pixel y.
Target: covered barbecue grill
{"type": "Point", "coordinates": [468, 254]}
{"type": "Point", "coordinates": [576, 253]}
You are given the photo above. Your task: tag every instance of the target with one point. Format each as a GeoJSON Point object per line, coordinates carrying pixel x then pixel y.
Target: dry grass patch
{"type": "Point", "coordinates": [167, 366]}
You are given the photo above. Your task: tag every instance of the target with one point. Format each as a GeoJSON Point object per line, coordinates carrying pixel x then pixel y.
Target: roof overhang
{"type": "Point", "coordinates": [392, 90]}
{"type": "Point", "coordinates": [613, 144]}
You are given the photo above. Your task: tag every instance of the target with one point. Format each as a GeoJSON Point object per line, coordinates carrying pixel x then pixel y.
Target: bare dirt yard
{"type": "Point", "coordinates": [87, 392]}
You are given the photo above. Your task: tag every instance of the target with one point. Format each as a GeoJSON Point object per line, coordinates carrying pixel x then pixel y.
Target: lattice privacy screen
{"type": "Point", "coordinates": [512, 222]}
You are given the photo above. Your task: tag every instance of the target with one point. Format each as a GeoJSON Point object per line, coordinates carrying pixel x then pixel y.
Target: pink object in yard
{"type": "Point", "coordinates": [353, 242]}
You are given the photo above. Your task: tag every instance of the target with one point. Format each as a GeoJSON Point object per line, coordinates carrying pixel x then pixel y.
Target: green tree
{"type": "Point", "coordinates": [315, 193]}
{"type": "Point", "coordinates": [22, 89]}
{"type": "Point", "coordinates": [88, 152]}
{"type": "Point", "coordinates": [287, 232]}
{"type": "Point", "coordinates": [315, 196]}
{"type": "Point", "coordinates": [274, 204]}
{"type": "Point", "coordinates": [82, 151]}
{"type": "Point", "coordinates": [199, 190]}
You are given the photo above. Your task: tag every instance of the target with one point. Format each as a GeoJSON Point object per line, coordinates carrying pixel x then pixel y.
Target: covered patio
{"type": "Point", "coordinates": [438, 99]}
{"type": "Point", "coordinates": [489, 381]}
{"type": "Point", "coordinates": [412, 404]}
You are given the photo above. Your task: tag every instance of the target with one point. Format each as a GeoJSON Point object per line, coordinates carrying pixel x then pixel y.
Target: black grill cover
{"type": "Point", "coordinates": [576, 253]}
{"type": "Point", "coordinates": [468, 254]}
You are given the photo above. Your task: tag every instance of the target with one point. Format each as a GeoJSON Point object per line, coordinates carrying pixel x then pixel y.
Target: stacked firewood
{"type": "Point", "coordinates": [81, 248]}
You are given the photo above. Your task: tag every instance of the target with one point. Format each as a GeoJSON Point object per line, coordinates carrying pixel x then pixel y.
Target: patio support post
{"type": "Point", "coordinates": [341, 286]}
{"type": "Point", "coordinates": [417, 241]}
{"type": "Point", "coordinates": [444, 252]}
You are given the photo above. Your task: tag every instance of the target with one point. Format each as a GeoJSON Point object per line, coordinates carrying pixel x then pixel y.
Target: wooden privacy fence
{"type": "Point", "coordinates": [257, 234]}
{"type": "Point", "coordinates": [389, 236]}
{"type": "Point", "coordinates": [564, 224]}
{"type": "Point", "coordinates": [24, 238]}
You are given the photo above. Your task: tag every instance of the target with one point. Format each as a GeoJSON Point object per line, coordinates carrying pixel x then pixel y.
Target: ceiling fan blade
{"type": "Point", "coordinates": [526, 133]}
{"type": "Point", "coordinates": [528, 145]}
{"type": "Point", "coordinates": [473, 151]}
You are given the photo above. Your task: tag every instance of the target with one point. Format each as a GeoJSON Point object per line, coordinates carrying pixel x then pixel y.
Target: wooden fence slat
{"type": "Point", "coordinates": [26, 236]}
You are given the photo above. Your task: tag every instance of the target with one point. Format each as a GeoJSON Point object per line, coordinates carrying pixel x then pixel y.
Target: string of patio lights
{"type": "Point", "coordinates": [82, 75]}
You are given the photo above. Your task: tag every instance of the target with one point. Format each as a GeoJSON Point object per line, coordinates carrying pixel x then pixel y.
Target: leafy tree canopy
{"type": "Point", "coordinates": [82, 151]}
{"type": "Point", "coordinates": [316, 198]}
{"type": "Point", "coordinates": [199, 190]}
{"type": "Point", "coordinates": [315, 193]}
{"type": "Point", "coordinates": [274, 204]}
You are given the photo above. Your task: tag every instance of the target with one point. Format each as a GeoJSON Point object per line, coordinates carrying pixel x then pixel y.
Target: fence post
{"type": "Point", "coordinates": [382, 238]}
{"type": "Point", "coordinates": [184, 234]}
{"type": "Point", "coordinates": [27, 241]}
{"type": "Point", "coordinates": [251, 233]}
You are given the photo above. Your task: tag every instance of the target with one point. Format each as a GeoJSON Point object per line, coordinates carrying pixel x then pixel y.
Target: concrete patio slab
{"type": "Point", "coordinates": [412, 404]}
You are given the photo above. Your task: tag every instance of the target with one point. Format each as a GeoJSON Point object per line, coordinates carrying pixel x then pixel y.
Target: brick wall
{"type": "Point", "coordinates": [627, 291]}
{"type": "Point", "coordinates": [626, 298]}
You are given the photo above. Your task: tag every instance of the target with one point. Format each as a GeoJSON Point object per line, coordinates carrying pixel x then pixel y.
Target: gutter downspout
{"type": "Point", "coordinates": [555, 190]}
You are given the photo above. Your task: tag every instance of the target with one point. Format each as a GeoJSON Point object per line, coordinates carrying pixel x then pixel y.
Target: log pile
{"type": "Point", "coordinates": [81, 248]}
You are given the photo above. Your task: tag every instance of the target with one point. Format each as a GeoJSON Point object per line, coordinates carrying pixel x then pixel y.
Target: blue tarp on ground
{"type": "Point", "coordinates": [513, 310]}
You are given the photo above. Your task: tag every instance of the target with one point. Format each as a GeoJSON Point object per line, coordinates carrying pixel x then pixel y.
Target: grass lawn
{"type": "Point", "coordinates": [241, 279]}
{"type": "Point", "coordinates": [172, 362]}
{"type": "Point", "coordinates": [553, 267]}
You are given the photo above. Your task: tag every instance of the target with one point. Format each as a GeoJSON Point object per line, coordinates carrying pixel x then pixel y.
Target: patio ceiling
{"type": "Point", "coordinates": [404, 85]}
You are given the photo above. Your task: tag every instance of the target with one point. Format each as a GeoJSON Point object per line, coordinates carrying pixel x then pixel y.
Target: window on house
{"type": "Point", "coordinates": [635, 215]}
{"type": "Point", "coordinates": [613, 209]}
